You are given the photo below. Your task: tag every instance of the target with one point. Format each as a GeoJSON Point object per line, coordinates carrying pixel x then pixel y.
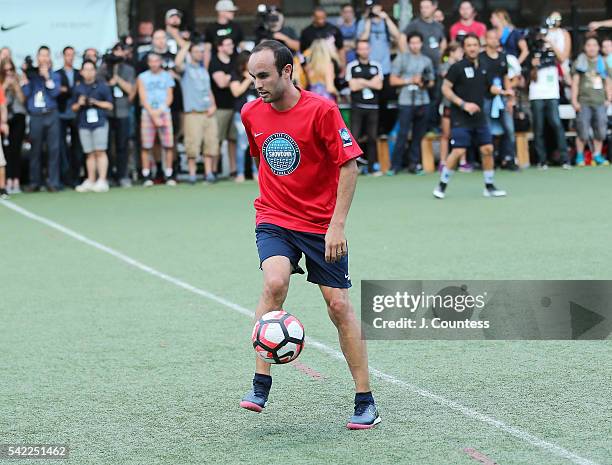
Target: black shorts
{"type": "Point", "coordinates": [273, 240]}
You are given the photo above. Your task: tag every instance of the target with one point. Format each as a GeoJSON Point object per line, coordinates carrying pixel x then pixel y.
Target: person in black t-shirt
{"type": "Point", "coordinates": [365, 79]}
{"type": "Point", "coordinates": [465, 86]}
{"type": "Point", "coordinates": [220, 69]}
{"type": "Point", "coordinates": [320, 29]}
{"type": "Point", "coordinates": [223, 27]}
{"type": "Point", "coordinates": [498, 100]}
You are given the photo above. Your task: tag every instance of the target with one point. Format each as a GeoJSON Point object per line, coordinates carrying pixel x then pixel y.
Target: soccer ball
{"type": "Point", "coordinates": [278, 337]}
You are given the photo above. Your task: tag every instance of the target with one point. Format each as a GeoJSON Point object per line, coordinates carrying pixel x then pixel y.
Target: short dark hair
{"type": "Point", "coordinates": [344, 5]}
{"type": "Point", "coordinates": [219, 40]}
{"type": "Point", "coordinates": [43, 47]}
{"type": "Point", "coordinates": [362, 40]}
{"type": "Point", "coordinates": [153, 54]}
{"type": "Point", "coordinates": [88, 61]}
{"type": "Point", "coordinates": [414, 34]}
{"type": "Point", "coordinates": [282, 55]}
{"type": "Point", "coordinates": [433, 2]}
{"type": "Point", "coordinates": [470, 35]}
{"type": "Point", "coordinates": [594, 37]}
{"type": "Point", "coordinates": [319, 8]}
{"type": "Point", "coordinates": [66, 49]}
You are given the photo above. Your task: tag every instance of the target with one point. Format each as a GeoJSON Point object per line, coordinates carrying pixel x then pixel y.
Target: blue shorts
{"type": "Point", "coordinates": [462, 138]}
{"type": "Point", "coordinates": [274, 240]}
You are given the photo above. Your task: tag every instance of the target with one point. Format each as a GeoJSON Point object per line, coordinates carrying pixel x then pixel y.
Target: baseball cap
{"type": "Point", "coordinates": [225, 5]}
{"type": "Point", "coordinates": [173, 12]}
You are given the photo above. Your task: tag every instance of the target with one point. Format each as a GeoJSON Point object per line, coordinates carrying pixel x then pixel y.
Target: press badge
{"type": "Point", "coordinates": [597, 83]}
{"type": "Point", "coordinates": [39, 100]}
{"type": "Point", "coordinates": [367, 93]}
{"type": "Point", "coordinates": [469, 72]}
{"type": "Point", "coordinates": [91, 115]}
{"type": "Point", "coordinates": [117, 92]}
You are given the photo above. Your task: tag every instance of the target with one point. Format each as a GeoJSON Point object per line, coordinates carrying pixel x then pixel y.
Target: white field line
{"type": "Point", "coordinates": [449, 404]}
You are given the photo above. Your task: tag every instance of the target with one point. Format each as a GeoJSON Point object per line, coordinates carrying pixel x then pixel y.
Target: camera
{"type": "Point", "coordinates": [538, 48]}
{"type": "Point", "coordinates": [28, 67]}
{"type": "Point", "coordinates": [110, 60]}
{"type": "Point", "coordinates": [369, 4]}
{"type": "Point", "coordinates": [268, 16]}
{"type": "Point", "coordinates": [269, 22]}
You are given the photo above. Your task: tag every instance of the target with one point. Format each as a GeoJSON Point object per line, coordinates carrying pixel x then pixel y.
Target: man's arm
{"type": "Point", "coordinates": [447, 91]}
{"type": "Point", "coordinates": [179, 60]}
{"type": "Point", "coordinates": [367, 25]}
{"type": "Point", "coordinates": [222, 79]}
{"type": "Point", "coordinates": [335, 239]}
{"type": "Point", "coordinates": [575, 90]}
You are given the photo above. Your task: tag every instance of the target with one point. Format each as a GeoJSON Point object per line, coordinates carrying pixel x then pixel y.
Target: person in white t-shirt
{"type": "Point", "coordinates": [544, 100]}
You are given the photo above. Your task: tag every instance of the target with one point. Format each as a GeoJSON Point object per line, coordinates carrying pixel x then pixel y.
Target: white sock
{"type": "Point", "coordinates": [489, 176]}
{"type": "Point", "coordinates": [168, 172]}
{"type": "Point", "coordinates": [146, 172]}
{"type": "Point", "coordinates": [446, 174]}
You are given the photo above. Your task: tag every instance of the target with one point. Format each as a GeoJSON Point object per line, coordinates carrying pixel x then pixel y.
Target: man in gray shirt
{"type": "Point", "coordinates": [434, 43]}
{"type": "Point", "coordinates": [121, 78]}
{"type": "Point", "coordinates": [414, 73]}
{"type": "Point", "coordinates": [200, 130]}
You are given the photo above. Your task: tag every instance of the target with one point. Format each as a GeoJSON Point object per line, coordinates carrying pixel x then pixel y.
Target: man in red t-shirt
{"type": "Point", "coordinates": [307, 177]}
{"type": "Point", "coordinates": [467, 24]}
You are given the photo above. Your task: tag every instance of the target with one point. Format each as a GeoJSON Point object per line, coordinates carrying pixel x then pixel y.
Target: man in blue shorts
{"type": "Point", "coordinates": [307, 177]}
{"type": "Point", "coordinates": [465, 86]}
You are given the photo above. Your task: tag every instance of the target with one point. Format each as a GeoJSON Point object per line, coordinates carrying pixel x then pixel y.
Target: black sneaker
{"type": "Point", "coordinates": [492, 191]}
{"type": "Point", "coordinates": [4, 194]}
{"type": "Point", "coordinates": [366, 416]}
{"type": "Point", "coordinates": [255, 400]}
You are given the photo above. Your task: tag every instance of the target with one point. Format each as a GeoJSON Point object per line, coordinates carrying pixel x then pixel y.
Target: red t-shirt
{"type": "Point", "coordinates": [301, 151]}
{"type": "Point", "coordinates": [476, 27]}
{"type": "Point", "coordinates": [2, 96]}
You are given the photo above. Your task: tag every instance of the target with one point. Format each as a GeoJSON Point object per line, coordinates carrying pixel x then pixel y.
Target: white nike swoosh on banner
{"type": "Point", "coordinates": [258, 134]}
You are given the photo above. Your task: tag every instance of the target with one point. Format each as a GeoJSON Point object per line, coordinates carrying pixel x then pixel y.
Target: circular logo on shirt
{"type": "Point", "coordinates": [281, 153]}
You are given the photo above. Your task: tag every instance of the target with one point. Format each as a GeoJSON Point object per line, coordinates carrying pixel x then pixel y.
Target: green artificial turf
{"type": "Point", "coordinates": [131, 369]}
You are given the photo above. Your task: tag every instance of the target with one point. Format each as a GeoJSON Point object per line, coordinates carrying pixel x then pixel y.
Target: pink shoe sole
{"type": "Point", "coordinates": [360, 426]}
{"type": "Point", "coordinates": [250, 406]}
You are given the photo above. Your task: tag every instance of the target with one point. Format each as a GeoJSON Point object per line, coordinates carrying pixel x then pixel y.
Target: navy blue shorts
{"type": "Point", "coordinates": [462, 138]}
{"type": "Point", "coordinates": [274, 240]}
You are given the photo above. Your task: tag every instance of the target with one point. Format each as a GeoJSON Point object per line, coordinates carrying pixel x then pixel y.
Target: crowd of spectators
{"type": "Point", "coordinates": [170, 94]}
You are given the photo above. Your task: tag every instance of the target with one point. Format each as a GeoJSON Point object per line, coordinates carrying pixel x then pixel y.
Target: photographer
{"type": "Point", "coordinates": [544, 93]}
{"type": "Point", "coordinates": [272, 26]}
{"type": "Point", "coordinates": [379, 30]}
{"type": "Point", "coordinates": [41, 87]}
{"type": "Point", "coordinates": [121, 78]}
{"type": "Point", "coordinates": [92, 99]}
{"type": "Point", "coordinates": [413, 72]}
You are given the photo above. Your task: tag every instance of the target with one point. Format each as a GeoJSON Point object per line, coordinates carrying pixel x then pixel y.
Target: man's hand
{"type": "Point", "coordinates": [576, 106]}
{"type": "Point", "coordinates": [279, 36]}
{"type": "Point", "coordinates": [4, 129]}
{"type": "Point", "coordinates": [44, 71]}
{"type": "Point", "coordinates": [82, 100]}
{"type": "Point", "coordinates": [335, 243]}
{"type": "Point", "coordinates": [471, 108]}
{"type": "Point", "coordinates": [211, 110]}
{"type": "Point", "coordinates": [535, 62]}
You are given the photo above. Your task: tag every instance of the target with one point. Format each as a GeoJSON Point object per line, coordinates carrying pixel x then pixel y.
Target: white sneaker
{"type": "Point", "coordinates": [566, 166]}
{"type": "Point", "coordinates": [239, 179]}
{"type": "Point", "coordinates": [438, 193]}
{"type": "Point", "coordinates": [86, 186]}
{"type": "Point", "coordinates": [493, 192]}
{"type": "Point", "coordinates": [100, 186]}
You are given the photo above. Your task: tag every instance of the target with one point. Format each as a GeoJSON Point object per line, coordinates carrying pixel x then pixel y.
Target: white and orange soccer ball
{"type": "Point", "coordinates": [278, 337]}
